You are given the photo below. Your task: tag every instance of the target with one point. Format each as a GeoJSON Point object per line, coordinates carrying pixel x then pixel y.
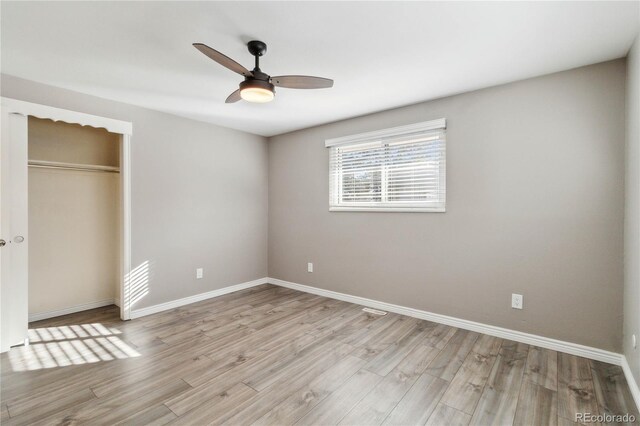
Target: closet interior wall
{"type": "Point", "coordinates": [74, 221]}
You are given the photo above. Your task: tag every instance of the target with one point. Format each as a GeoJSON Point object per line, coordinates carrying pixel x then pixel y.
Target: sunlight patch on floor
{"type": "Point", "coordinates": [52, 347]}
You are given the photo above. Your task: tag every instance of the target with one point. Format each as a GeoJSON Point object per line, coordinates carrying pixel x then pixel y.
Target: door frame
{"type": "Point", "coordinates": [124, 129]}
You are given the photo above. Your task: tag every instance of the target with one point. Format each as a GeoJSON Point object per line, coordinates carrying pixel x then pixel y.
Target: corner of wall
{"type": "Point", "coordinates": [631, 323]}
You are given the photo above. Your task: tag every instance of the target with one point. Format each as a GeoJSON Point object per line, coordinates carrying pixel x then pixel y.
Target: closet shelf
{"type": "Point", "coordinates": [73, 166]}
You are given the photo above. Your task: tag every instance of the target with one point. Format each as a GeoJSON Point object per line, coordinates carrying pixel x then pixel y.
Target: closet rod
{"type": "Point", "coordinates": [72, 166]}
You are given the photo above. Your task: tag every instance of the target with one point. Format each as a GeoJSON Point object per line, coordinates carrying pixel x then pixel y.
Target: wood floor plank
{"type": "Point", "coordinates": [576, 393]}
{"type": "Point", "coordinates": [15, 389]}
{"type": "Point", "coordinates": [497, 404]}
{"type": "Point", "coordinates": [377, 404]}
{"type": "Point", "coordinates": [440, 336]}
{"type": "Point", "coordinates": [259, 339]}
{"type": "Point", "coordinates": [153, 416]}
{"type": "Point", "coordinates": [206, 384]}
{"type": "Point", "coordinates": [419, 402]}
{"type": "Point", "coordinates": [351, 328]}
{"type": "Point", "coordinates": [279, 370]}
{"type": "Point", "coordinates": [487, 345]}
{"type": "Point", "coordinates": [248, 352]}
{"type": "Point", "coordinates": [190, 314]}
{"type": "Point", "coordinates": [467, 385]}
{"type": "Point", "coordinates": [215, 406]}
{"type": "Point", "coordinates": [266, 322]}
{"type": "Point", "coordinates": [451, 357]}
{"type": "Point", "coordinates": [542, 367]}
{"type": "Point", "coordinates": [46, 383]}
{"type": "Point", "coordinates": [612, 391]}
{"type": "Point", "coordinates": [444, 415]}
{"type": "Point", "coordinates": [372, 330]}
{"type": "Point", "coordinates": [111, 410]}
{"type": "Point", "coordinates": [537, 405]}
{"type": "Point", "coordinates": [340, 325]}
{"type": "Point", "coordinates": [333, 317]}
{"type": "Point", "coordinates": [374, 408]}
{"type": "Point", "coordinates": [284, 350]}
{"type": "Point", "coordinates": [385, 337]}
{"type": "Point", "coordinates": [564, 422]}
{"type": "Point", "coordinates": [116, 408]}
{"type": "Point", "coordinates": [5, 414]}
{"type": "Point", "coordinates": [150, 377]}
{"type": "Point", "coordinates": [306, 370]}
{"type": "Point", "coordinates": [301, 401]}
{"type": "Point", "coordinates": [330, 349]}
{"type": "Point", "coordinates": [383, 363]}
{"type": "Point", "coordinates": [333, 408]}
{"type": "Point", "coordinates": [416, 362]}
{"type": "Point", "coordinates": [190, 328]}
{"type": "Point", "coordinates": [27, 415]}
{"type": "Point", "coordinates": [270, 355]}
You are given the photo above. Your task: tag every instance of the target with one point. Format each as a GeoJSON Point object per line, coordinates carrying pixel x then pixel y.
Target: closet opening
{"type": "Point", "coordinates": [74, 218]}
{"type": "Point", "coordinates": [60, 260]}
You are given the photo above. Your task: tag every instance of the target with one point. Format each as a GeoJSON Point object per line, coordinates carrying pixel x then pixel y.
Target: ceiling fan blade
{"type": "Point", "coordinates": [234, 97]}
{"type": "Point", "coordinates": [301, 82]}
{"type": "Point", "coordinates": [222, 59]}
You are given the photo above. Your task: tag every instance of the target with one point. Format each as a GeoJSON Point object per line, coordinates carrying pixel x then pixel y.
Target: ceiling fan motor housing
{"type": "Point", "coordinates": [262, 84]}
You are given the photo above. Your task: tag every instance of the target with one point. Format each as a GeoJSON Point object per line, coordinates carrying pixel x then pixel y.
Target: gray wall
{"type": "Point", "coordinates": [535, 176]}
{"type": "Point", "coordinates": [199, 194]}
{"type": "Point", "coordinates": [632, 213]}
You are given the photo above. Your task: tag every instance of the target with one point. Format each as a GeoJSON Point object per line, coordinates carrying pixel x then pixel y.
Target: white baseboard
{"type": "Point", "coordinates": [633, 385]}
{"type": "Point", "coordinates": [73, 309]}
{"type": "Point", "coordinates": [505, 333]}
{"type": "Point", "coordinates": [137, 313]}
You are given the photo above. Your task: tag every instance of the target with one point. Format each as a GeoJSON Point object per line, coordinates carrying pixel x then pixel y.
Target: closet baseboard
{"type": "Point", "coordinates": [71, 310]}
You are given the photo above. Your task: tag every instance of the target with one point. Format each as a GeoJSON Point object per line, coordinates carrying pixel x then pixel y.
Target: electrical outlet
{"type": "Point", "coordinates": [516, 301]}
{"type": "Point", "coordinates": [199, 273]}
{"type": "Point", "coordinates": [309, 267]}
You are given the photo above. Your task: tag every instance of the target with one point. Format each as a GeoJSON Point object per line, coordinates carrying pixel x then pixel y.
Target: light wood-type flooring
{"type": "Point", "coordinates": [270, 355]}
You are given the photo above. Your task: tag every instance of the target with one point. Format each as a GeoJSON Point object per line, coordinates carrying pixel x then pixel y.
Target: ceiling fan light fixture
{"type": "Point", "coordinates": [258, 86]}
{"type": "Point", "coordinates": [257, 91]}
{"type": "Point", "coordinates": [256, 94]}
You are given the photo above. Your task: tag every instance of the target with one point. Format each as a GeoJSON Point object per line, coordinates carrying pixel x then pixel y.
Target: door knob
{"type": "Point", "coordinates": [2, 243]}
{"type": "Point", "coordinates": [19, 239]}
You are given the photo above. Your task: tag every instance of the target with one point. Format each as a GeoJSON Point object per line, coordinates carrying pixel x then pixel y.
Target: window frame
{"type": "Point", "coordinates": [335, 188]}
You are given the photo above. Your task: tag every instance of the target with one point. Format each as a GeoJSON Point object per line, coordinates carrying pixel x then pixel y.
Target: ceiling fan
{"type": "Point", "coordinates": [258, 86]}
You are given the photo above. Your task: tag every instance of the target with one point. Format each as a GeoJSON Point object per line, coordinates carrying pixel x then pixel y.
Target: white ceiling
{"type": "Point", "coordinates": [380, 54]}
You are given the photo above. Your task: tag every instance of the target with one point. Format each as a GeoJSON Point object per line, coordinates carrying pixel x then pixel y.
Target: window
{"type": "Point", "coordinates": [398, 169]}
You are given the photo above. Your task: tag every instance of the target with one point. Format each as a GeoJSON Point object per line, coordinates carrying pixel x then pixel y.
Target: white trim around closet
{"type": "Point", "coordinates": [123, 128]}
{"type": "Point", "coordinates": [73, 117]}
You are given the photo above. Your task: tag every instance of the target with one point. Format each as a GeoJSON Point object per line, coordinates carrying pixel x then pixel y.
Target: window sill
{"type": "Point", "coordinates": [389, 209]}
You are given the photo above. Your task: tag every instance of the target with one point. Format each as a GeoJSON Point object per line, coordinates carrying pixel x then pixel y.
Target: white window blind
{"type": "Point", "coordinates": [399, 169]}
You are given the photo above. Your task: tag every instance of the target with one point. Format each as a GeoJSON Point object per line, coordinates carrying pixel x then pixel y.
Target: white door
{"type": "Point", "coordinates": [14, 311]}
